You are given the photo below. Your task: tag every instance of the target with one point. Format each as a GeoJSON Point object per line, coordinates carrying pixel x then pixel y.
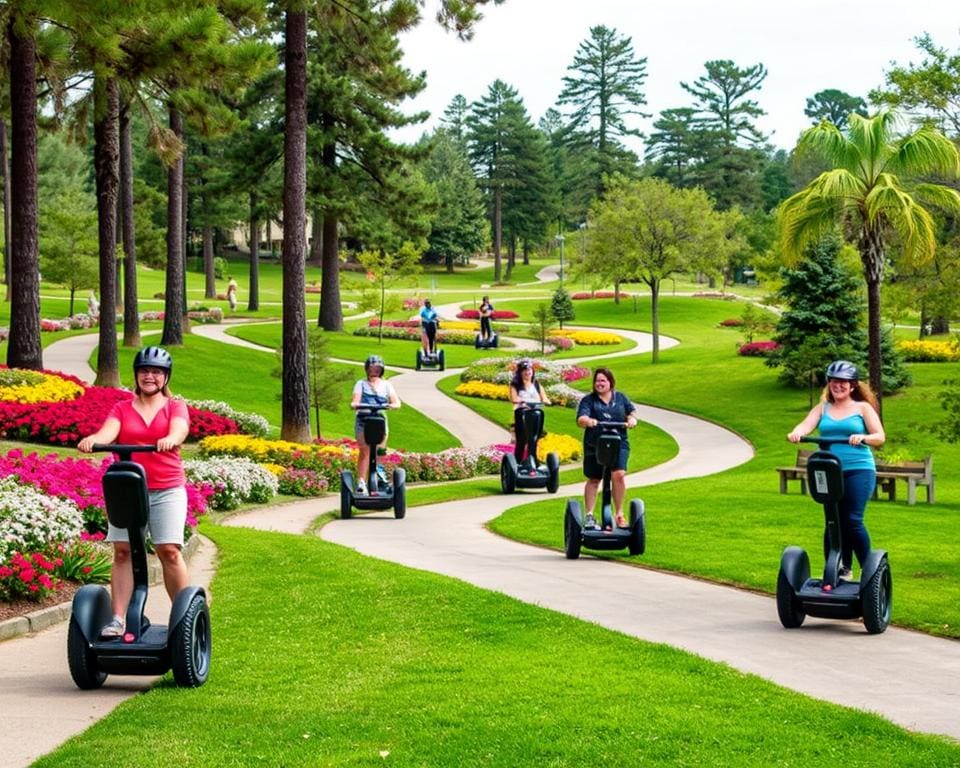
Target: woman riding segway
{"type": "Point", "coordinates": [371, 390]}
{"type": "Point", "coordinates": [605, 404]}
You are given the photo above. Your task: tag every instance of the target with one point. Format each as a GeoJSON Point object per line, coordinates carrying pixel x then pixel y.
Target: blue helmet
{"type": "Point", "coordinates": [842, 370]}
{"type": "Point", "coordinates": [153, 357]}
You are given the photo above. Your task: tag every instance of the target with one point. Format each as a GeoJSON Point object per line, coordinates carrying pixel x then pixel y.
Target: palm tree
{"type": "Point", "coordinates": [866, 192]}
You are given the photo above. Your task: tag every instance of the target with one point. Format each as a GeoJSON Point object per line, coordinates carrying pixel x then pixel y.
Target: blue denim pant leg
{"type": "Point", "coordinates": [858, 487]}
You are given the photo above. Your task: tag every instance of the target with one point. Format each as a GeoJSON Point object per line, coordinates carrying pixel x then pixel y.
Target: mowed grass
{"type": "Point", "coordinates": [325, 657]}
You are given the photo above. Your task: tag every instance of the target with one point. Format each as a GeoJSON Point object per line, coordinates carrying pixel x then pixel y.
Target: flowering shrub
{"type": "Point", "coordinates": [484, 389]}
{"type": "Point", "coordinates": [758, 349]}
{"type": "Point", "coordinates": [302, 482]}
{"type": "Point", "coordinates": [206, 316]}
{"type": "Point", "coordinates": [33, 521]}
{"type": "Point", "coordinates": [587, 338]}
{"type": "Point", "coordinates": [500, 370]}
{"type": "Point", "coordinates": [567, 448]}
{"type": "Point", "coordinates": [561, 394]}
{"type": "Point", "coordinates": [498, 314]}
{"type": "Point", "coordinates": [79, 482]}
{"type": "Point", "coordinates": [153, 314]}
{"type": "Point", "coordinates": [560, 342]}
{"type": "Point", "coordinates": [27, 577]}
{"type": "Point", "coordinates": [247, 423]}
{"type": "Point", "coordinates": [732, 322]}
{"type": "Point", "coordinates": [234, 480]}
{"type": "Point", "coordinates": [87, 560]}
{"type": "Point", "coordinates": [30, 387]}
{"type": "Point", "coordinates": [929, 351]}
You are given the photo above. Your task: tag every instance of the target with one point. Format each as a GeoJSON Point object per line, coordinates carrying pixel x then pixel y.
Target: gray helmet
{"type": "Point", "coordinates": [843, 371]}
{"type": "Point", "coordinates": [153, 357]}
{"type": "Point", "coordinates": [372, 361]}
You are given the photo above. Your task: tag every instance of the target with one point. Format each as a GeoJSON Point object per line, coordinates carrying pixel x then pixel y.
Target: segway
{"type": "Point", "coordinates": [528, 473]}
{"type": "Point", "coordinates": [489, 341]}
{"type": "Point", "coordinates": [832, 596]}
{"type": "Point", "coordinates": [184, 645]}
{"type": "Point", "coordinates": [380, 494]}
{"type": "Point", "coordinates": [608, 536]}
{"type": "Point", "coordinates": [433, 358]}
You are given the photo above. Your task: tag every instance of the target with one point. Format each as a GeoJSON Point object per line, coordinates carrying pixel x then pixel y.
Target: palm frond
{"type": "Point", "coordinates": [825, 142]}
{"type": "Point", "coordinates": [804, 218]}
{"type": "Point", "coordinates": [938, 196]}
{"type": "Point", "coordinates": [923, 152]}
{"type": "Point", "coordinates": [890, 202]}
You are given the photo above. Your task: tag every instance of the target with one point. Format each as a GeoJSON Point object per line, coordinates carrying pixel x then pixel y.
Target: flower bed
{"type": "Point", "coordinates": [413, 334]}
{"type": "Point", "coordinates": [929, 351]}
{"type": "Point", "coordinates": [64, 422]}
{"type": "Point", "coordinates": [587, 338]}
{"type": "Point", "coordinates": [498, 314]}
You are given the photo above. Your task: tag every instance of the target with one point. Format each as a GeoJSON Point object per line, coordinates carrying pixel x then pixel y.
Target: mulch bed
{"type": "Point", "coordinates": [17, 608]}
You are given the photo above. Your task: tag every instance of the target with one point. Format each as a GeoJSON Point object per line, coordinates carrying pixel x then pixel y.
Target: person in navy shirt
{"type": "Point", "coordinates": [605, 403]}
{"type": "Point", "coordinates": [429, 322]}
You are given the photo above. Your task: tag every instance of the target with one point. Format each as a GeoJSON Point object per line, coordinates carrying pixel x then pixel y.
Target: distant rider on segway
{"type": "Point", "coordinates": [429, 323]}
{"type": "Point", "coordinates": [372, 390]}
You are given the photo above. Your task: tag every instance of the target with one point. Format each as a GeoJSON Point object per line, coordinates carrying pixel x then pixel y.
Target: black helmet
{"type": "Point", "coordinates": [372, 361]}
{"type": "Point", "coordinates": [842, 370]}
{"type": "Point", "coordinates": [153, 357]}
{"type": "Point", "coordinates": [427, 304]}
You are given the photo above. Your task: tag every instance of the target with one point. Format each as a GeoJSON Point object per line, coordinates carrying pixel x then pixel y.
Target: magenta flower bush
{"type": "Point", "coordinates": [758, 349]}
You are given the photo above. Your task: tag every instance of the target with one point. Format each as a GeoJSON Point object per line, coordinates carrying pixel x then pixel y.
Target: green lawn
{"type": "Point", "coordinates": [325, 657]}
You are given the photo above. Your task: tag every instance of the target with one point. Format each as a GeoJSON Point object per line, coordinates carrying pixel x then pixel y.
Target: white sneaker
{"type": "Point", "coordinates": [589, 521]}
{"type": "Point", "coordinates": [361, 487]}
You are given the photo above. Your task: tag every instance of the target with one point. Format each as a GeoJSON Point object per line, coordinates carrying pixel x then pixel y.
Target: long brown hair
{"type": "Point", "coordinates": [859, 391]}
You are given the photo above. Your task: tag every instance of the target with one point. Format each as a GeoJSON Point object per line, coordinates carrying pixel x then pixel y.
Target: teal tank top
{"type": "Point", "coordinates": [851, 456]}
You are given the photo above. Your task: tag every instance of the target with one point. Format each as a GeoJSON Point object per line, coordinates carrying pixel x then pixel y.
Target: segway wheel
{"type": "Point", "coordinates": [190, 645]}
{"type": "Point", "coordinates": [476, 341]}
{"type": "Point", "coordinates": [419, 359]}
{"type": "Point", "coordinates": [399, 493]}
{"type": "Point", "coordinates": [638, 528]}
{"type": "Point", "coordinates": [553, 473]}
{"type": "Point", "coordinates": [877, 598]}
{"type": "Point", "coordinates": [494, 341]}
{"type": "Point", "coordinates": [572, 530]}
{"type": "Point", "coordinates": [440, 360]}
{"type": "Point", "coordinates": [346, 495]}
{"type": "Point", "coordinates": [508, 473]}
{"type": "Point", "coordinates": [789, 608]}
{"type": "Point", "coordinates": [82, 660]}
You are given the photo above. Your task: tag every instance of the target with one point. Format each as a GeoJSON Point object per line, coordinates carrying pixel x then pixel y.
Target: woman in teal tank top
{"type": "Point", "coordinates": [848, 409]}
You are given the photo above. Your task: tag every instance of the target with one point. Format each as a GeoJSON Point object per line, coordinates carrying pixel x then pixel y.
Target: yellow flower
{"type": "Point", "coordinates": [587, 338]}
{"type": "Point", "coordinates": [567, 448]}
{"type": "Point", "coordinates": [37, 388]}
{"type": "Point", "coordinates": [484, 389]}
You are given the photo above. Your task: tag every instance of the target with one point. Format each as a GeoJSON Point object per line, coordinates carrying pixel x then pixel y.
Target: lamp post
{"type": "Point", "coordinates": [559, 240]}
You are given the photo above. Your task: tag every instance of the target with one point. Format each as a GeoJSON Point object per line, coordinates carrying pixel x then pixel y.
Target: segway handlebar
{"type": "Point", "coordinates": [123, 450]}
{"type": "Point", "coordinates": [375, 407]}
{"type": "Point", "coordinates": [825, 442]}
{"type": "Point", "coordinates": [613, 424]}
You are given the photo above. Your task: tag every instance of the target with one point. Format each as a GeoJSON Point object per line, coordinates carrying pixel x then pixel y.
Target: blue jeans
{"type": "Point", "coordinates": [858, 487]}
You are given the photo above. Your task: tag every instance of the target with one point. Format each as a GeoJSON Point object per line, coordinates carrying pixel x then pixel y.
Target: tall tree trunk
{"type": "Point", "coordinates": [106, 163]}
{"type": "Point", "coordinates": [497, 232]}
{"type": "Point", "coordinates": [210, 276]}
{"type": "Point", "coordinates": [5, 173]}
{"type": "Point", "coordinates": [23, 346]}
{"type": "Point", "coordinates": [131, 309]}
{"type": "Point", "coordinates": [872, 257]}
{"type": "Point", "coordinates": [174, 294]}
{"type": "Point", "coordinates": [655, 318]}
{"type": "Point", "coordinates": [316, 237]}
{"type": "Point", "coordinates": [185, 236]}
{"type": "Point", "coordinates": [331, 312]}
{"type": "Point", "coordinates": [253, 300]}
{"type": "Point", "coordinates": [295, 396]}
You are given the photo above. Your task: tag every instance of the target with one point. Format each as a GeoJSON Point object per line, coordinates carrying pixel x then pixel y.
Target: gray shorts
{"type": "Point", "coordinates": [168, 515]}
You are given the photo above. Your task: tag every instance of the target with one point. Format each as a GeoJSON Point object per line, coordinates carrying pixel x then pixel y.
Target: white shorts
{"type": "Point", "coordinates": [168, 515]}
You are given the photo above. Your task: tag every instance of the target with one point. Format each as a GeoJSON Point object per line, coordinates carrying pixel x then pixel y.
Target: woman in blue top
{"type": "Point", "coordinates": [848, 409]}
{"type": "Point", "coordinates": [371, 390]}
{"type": "Point", "coordinates": [429, 323]}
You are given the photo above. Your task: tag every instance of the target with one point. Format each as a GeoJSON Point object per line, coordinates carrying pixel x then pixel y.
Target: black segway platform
{"type": "Point", "coordinates": [528, 473]}
{"type": "Point", "coordinates": [380, 494]}
{"type": "Point", "coordinates": [606, 536]}
{"type": "Point", "coordinates": [491, 342]}
{"type": "Point", "coordinates": [831, 596]}
{"type": "Point", "coordinates": [184, 645]}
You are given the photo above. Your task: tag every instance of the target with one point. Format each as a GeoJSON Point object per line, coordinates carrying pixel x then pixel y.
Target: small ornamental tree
{"type": "Point", "coordinates": [561, 307]}
{"type": "Point", "coordinates": [385, 269]}
{"type": "Point", "coordinates": [542, 320]}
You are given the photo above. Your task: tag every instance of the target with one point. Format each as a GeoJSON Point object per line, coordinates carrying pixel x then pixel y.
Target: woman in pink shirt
{"type": "Point", "coordinates": [152, 417]}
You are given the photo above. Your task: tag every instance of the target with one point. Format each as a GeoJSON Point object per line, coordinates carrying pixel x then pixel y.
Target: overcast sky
{"type": "Point", "coordinates": [806, 47]}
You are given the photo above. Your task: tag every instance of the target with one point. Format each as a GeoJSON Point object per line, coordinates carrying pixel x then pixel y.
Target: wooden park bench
{"type": "Point", "coordinates": [797, 472]}
{"type": "Point", "coordinates": [915, 473]}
